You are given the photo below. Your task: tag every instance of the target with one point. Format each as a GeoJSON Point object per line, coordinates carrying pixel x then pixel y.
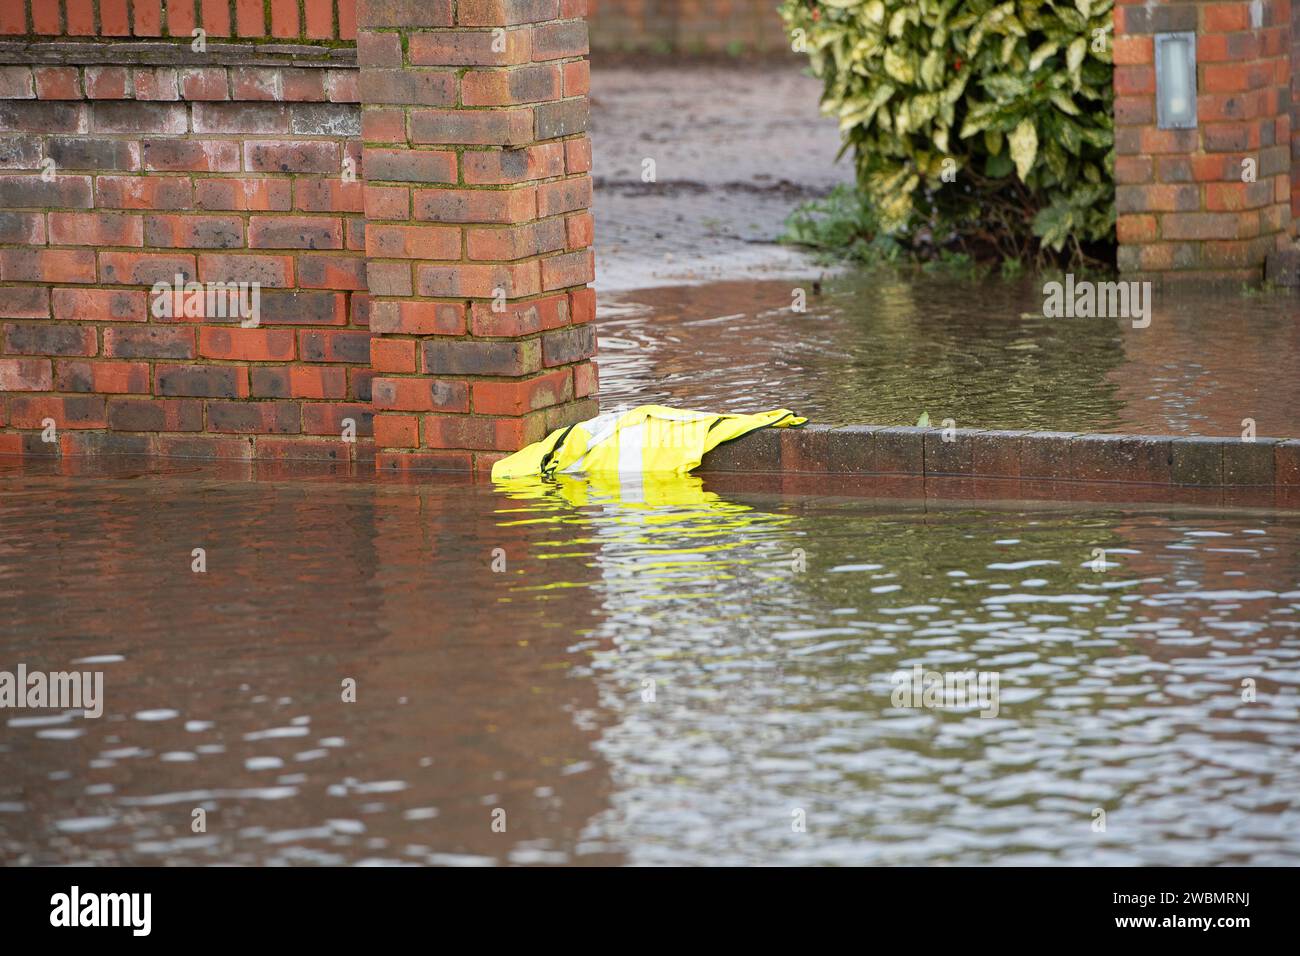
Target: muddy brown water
{"type": "Point", "coordinates": [873, 348]}
{"type": "Point", "coordinates": [679, 679]}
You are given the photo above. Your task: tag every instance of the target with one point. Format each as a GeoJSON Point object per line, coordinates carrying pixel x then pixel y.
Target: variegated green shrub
{"type": "Point", "coordinates": [1013, 99]}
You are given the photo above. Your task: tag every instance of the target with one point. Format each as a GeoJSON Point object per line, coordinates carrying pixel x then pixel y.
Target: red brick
{"type": "Point", "coordinates": [1136, 50]}
{"type": "Point", "coordinates": [295, 232]}
{"type": "Point", "coordinates": [302, 86]}
{"type": "Point", "coordinates": [248, 195]}
{"type": "Point", "coordinates": [412, 242]}
{"type": "Point", "coordinates": [144, 268]}
{"type": "Point", "coordinates": [82, 411]}
{"type": "Point", "coordinates": [520, 318]}
{"type": "Point", "coordinates": [387, 202]}
{"type": "Point", "coordinates": [397, 431]}
{"type": "Point", "coordinates": [215, 17]}
{"type": "Point", "coordinates": [113, 19]}
{"type": "Point", "coordinates": [143, 192]}
{"type": "Point", "coordinates": [155, 415]}
{"type": "Point", "coordinates": [156, 83]}
{"type": "Point", "coordinates": [524, 395]}
{"type": "Point", "coordinates": [417, 318]}
{"type": "Point", "coordinates": [327, 419]}
{"type": "Point", "coordinates": [180, 18]}
{"type": "Point", "coordinates": [468, 48]}
{"type": "Point", "coordinates": [48, 338]}
{"type": "Point", "coordinates": [516, 280]}
{"type": "Point", "coordinates": [204, 83]}
{"type": "Point", "coordinates": [26, 375]}
{"type": "Point", "coordinates": [107, 82]}
{"type": "Point", "coordinates": [329, 195]}
{"type": "Point", "coordinates": [392, 355]}
{"type": "Point", "coordinates": [13, 18]}
{"type": "Point", "coordinates": [103, 377]}
{"type": "Point", "coordinates": [252, 345]}
{"type": "Point", "coordinates": [274, 272]}
{"type": "Point", "coordinates": [95, 229]}
{"type": "Point", "coordinates": [45, 17]}
{"type": "Point", "coordinates": [516, 242]}
{"type": "Point", "coordinates": [1225, 17]}
{"type": "Point", "coordinates": [47, 265]}
{"type": "Point", "coordinates": [419, 395]}
{"type": "Point", "coordinates": [57, 82]}
{"type": "Point", "coordinates": [329, 346]}
{"type": "Point", "coordinates": [475, 205]}
{"type": "Point", "coordinates": [24, 302]}
{"type": "Point", "coordinates": [1136, 228]}
{"type": "Point", "coordinates": [149, 342]}
{"type": "Point", "coordinates": [284, 18]}
{"type": "Point", "coordinates": [317, 381]}
{"type": "Point", "coordinates": [536, 83]}
{"type": "Point", "coordinates": [319, 23]}
{"type": "Point", "coordinates": [568, 269]}
{"type": "Point", "coordinates": [100, 305]}
{"type": "Point", "coordinates": [250, 20]}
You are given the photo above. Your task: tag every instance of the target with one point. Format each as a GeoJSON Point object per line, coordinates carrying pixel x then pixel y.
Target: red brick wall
{"type": "Point", "coordinates": [115, 178]}
{"type": "Point", "coordinates": [1295, 113]}
{"type": "Point", "coordinates": [687, 25]}
{"type": "Point", "coordinates": [478, 236]}
{"type": "Point", "coordinates": [278, 19]}
{"type": "Point", "coordinates": [460, 206]}
{"type": "Point", "coordinates": [1183, 206]}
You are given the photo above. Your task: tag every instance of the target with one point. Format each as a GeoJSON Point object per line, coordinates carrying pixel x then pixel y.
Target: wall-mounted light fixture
{"type": "Point", "coordinates": [1176, 80]}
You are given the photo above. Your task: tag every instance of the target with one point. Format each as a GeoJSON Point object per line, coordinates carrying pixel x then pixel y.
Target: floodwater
{"type": "Point", "coordinates": [873, 348]}
{"type": "Point", "coordinates": [640, 676]}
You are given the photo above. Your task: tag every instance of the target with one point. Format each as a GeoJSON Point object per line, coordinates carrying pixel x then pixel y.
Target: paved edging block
{"type": "Point", "coordinates": [1160, 460]}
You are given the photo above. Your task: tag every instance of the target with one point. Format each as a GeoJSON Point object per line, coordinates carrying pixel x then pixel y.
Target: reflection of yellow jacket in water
{"type": "Point", "coordinates": [649, 439]}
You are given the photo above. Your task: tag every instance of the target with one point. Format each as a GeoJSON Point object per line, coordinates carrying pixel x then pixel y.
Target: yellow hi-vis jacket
{"type": "Point", "coordinates": [649, 439]}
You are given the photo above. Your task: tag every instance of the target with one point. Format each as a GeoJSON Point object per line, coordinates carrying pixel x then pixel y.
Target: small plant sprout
{"type": "Point", "coordinates": [349, 432]}
{"type": "Point", "coordinates": [648, 686]}
{"type": "Point", "coordinates": [1098, 820]}
{"type": "Point", "coordinates": [199, 562]}
{"type": "Point", "coordinates": [498, 560]}
{"type": "Point", "coordinates": [1248, 429]}
{"type": "Point", "coordinates": [1248, 690]}
{"type": "Point", "coordinates": [798, 561]}
{"type": "Point", "coordinates": [1098, 563]}
{"type": "Point", "coordinates": [349, 695]}
{"type": "Point", "coordinates": [648, 170]}
{"type": "Point", "coordinates": [48, 170]}
{"type": "Point", "coordinates": [1249, 170]}
{"type": "Point", "coordinates": [949, 430]}
{"type": "Point", "coordinates": [200, 42]}
{"type": "Point", "coordinates": [798, 301]}
{"type": "Point", "coordinates": [49, 431]}
{"type": "Point", "coordinates": [798, 821]}
{"type": "Point", "coordinates": [498, 820]}
{"type": "Point", "coordinates": [498, 40]}
{"type": "Point", "coordinates": [499, 299]}
{"type": "Point", "coordinates": [199, 821]}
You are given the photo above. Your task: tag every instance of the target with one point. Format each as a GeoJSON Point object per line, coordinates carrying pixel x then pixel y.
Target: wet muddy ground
{"type": "Point", "coordinates": [735, 147]}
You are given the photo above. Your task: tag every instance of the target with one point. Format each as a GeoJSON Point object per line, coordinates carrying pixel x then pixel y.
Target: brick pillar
{"type": "Point", "coordinates": [1185, 208]}
{"type": "Point", "coordinates": [478, 237]}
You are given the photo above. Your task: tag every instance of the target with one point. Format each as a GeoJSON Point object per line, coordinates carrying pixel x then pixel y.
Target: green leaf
{"type": "Point", "coordinates": [1024, 147]}
{"type": "Point", "coordinates": [1042, 53]}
